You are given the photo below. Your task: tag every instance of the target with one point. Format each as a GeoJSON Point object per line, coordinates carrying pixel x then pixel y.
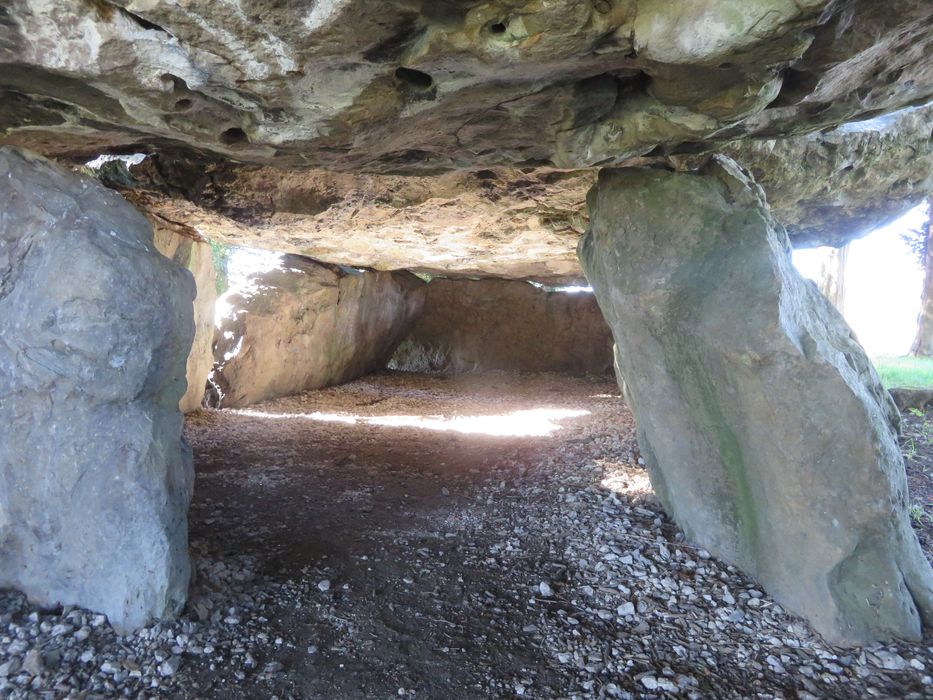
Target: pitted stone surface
{"type": "Point", "coordinates": [426, 85]}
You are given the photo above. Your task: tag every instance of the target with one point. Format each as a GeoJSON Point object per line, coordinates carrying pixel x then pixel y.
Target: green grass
{"type": "Point", "coordinates": [913, 372]}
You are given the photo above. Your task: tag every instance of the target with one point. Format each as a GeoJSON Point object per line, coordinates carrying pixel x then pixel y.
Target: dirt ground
{"type": "Point", "coordinates": [435, 543]}
{"type": "Point", "coordinates": [489, 536]}
{"type": "Point", "coordinates": [397, 518]}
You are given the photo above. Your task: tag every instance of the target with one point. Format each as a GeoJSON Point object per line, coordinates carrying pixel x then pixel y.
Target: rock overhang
{"type": "Point", "coordinates": [826, 188]}
{"type": "Point", "coordinates": [461, 100]}
{"type": "Point", "coordinates": [427, 86]}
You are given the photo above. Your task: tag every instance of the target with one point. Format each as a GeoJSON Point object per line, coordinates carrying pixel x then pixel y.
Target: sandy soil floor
{"type": "Point", "coordinates": [411, 536]}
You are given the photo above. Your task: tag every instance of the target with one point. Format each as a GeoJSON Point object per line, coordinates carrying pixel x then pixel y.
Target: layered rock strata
{"type": "Point", "coordinates": [827, 188]}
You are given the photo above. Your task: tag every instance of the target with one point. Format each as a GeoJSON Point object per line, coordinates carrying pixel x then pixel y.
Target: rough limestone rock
{"type": "Point", "coordinates": [501, 222]}
{"type": "Point", "coordinates": [829, 188]}
{"type": "Point", "coordinates": [426, 85]}
{"type": "Point", "coordinates": [826, 188]}
{"type": "Point", "coordinates": [766, 432]}
{"type": "Point", "coordinates": [305, 326]}
{"type": "Point", "coordinates": [95, 326]}
{"type": "Point", "coordinates": [480, 325]}
{"type": "Point", "coordinates": [194, 255]}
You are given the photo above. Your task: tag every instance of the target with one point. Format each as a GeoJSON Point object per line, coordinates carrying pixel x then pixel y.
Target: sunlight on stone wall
{"type": "Point", "coordinates": [242, 263]}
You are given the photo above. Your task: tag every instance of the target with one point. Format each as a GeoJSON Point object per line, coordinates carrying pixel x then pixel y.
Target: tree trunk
{"type": "Point", "coordinates": [833, 278]}
{"type": "Point", "coordinates": [923, 341]}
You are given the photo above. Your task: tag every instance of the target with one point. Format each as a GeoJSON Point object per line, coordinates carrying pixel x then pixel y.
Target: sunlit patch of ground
{"type": "Point", "coordinates": [525, 423]}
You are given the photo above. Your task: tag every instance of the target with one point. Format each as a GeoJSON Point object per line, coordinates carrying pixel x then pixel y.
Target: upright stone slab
{"type": "Point", "coordinates": [766, 432]}
{"type": "Point", "coordinates": [305, 325]}
{"type": "Point", "coordinates": [496, 324]}
{"type": "Point", "coordinates": [197, 258]}
{"type": "Point", "coordinates": [95, 328]}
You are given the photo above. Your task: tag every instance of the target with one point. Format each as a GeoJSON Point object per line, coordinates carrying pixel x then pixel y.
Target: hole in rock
{"type": "Point", "coordinates": [497, 28]}
{"type": "Point", "coordinates": [233, 136]}
{"type": "Point", "coordinates": [183, 105]}
{"type": "Point", "coordinates": [172, 83]}
{"type": "Point", "coordinates": [795, 86]}
{"type": "Point", "coordinates": [415, 78]}
{"type": "Point", "coordinates": [141, 21]}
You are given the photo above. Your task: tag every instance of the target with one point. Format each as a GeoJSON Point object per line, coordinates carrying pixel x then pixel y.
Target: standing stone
{"type": "Point", "coordinates": [95, 328]}
{"type": "Point", "coordinates": [496, 324]}
{"type": "Point", "coordinates": [305, 325]}
{"type": "Point", "coordinates": [195, 256]}
{"type": "Point", "coordinates": [765, 430]}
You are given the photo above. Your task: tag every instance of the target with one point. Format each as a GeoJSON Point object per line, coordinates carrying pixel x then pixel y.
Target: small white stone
{"type": "Point", "coordinates": [9, 668]}
{"type": "Point", "coordinates": [170, 666]}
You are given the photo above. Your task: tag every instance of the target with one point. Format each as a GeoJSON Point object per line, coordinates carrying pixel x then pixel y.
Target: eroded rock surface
{"type": "Point", "coordinates": [306, 325]}
{"type": "Point", "coordinates": [428, 85]}
{"type": "Point", "coordinates": [766, 431]}
{"type": "Point", "coordinates": [501, 221]}
{"type": "Point", "coordinates": [95, 326]}
{"type": "Point", "coordinates": [195, 255]}
{"type": "Point", "coordinates": [480, 325]}
{"type": "Point", "coordinates": [827, 188]}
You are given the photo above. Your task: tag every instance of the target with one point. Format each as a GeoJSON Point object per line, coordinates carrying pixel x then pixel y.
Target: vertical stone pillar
{"type": "Point", "coordinates": [95, 328]}
{"type": "Point", "coordinates": [196, 257]}
{"type": "Point", "coordinates": [765, 430]}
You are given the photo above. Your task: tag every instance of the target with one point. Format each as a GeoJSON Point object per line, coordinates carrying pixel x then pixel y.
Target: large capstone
{"type": "Point", "coordinates": [764, 427]}
{"type": "Point", "coordinates": [426, 85]}
{"type": "Point", "coordinates": [95, 328]}
{"type": "Point", "coordinates": [303, 325]}
{"type": "Point", "coordinates": [832, 186]}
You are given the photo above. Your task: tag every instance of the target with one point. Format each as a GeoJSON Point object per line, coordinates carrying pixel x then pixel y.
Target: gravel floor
{"type": "Point", "coordinates": [413, 536]}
